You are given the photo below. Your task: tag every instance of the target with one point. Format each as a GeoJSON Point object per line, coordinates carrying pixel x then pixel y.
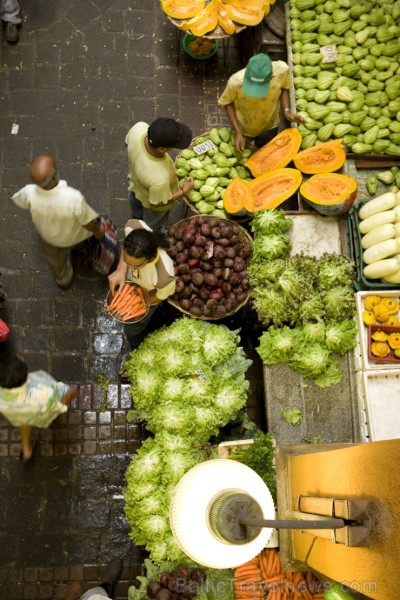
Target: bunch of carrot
{"type": "Point", "coordinates": [129, 303]}
{"type": "Point", "coordinates": [262, 578]}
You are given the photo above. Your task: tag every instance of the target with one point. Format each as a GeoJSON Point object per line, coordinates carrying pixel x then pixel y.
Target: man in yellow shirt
{"type": "Point", "coordinates": [253, 98]}
{"type": "Point", "coordinates": [153, 183]}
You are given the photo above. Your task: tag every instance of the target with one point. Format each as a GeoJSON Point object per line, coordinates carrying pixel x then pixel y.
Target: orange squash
{"type": "Point", "coordinates": [204, 22]}
{"type": "Point", "coordinates": [273, 188]}
{"type": "Point", "coordinates": [330, 193]}
{"type": "Point", "coordinates": [392, 304]}
{"type": "Point", "coordinates": [224, 21]}
{"type": "Point", "coordinates": [381, 312]}
{"type": "Point", "coordinates": [245, 13]}
{"type": "Point", "coordinates": [238, 198]}
{"type": "Point", "coordinates": [276, 154]}
{"type": "Point", "coordinates": [394, 340]}
{"type": "Point", "coordinates": [380, 349]}
{"type": "Point", "coordinates": [182, 9]}
{"type": "Point", "coordinates": [324, 158]}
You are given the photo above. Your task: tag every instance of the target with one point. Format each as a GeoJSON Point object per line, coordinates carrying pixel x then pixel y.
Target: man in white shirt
{"type": "Point", "coordinates": [61, 216]}
{"type": "Point", "coordinates": [10, 15]}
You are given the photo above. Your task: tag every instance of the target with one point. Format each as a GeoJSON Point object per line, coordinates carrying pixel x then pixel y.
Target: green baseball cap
{"type": "Point", "coordinates": [257, 76]}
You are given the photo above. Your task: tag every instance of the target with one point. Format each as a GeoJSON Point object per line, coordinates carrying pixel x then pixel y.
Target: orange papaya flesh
{"type": "Point", "coordinates": [324, 158]}
{"type": "Point", "coordinates": [329, 188]}
{"type": "Point", "coordinates": [203, 22]}
{"type": "Point", "coordinates": [272, 188]}
{"type": "Point", "coordinates": [238, 198]}
{"type": "Point", "coordinates": [182, 9]}
{"type": "Point", "coordinates": [224, 21]}
{"type": "Point", "coordinates": [276, 154]}
{"type": "Point", "coordinates": [249, 15]}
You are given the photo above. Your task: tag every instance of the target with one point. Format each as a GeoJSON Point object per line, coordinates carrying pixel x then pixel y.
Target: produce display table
{"type": "Point", "coordinates": [331, 413]}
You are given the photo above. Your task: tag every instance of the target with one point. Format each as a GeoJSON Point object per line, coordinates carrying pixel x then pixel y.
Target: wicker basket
{"type": "Point", "coordinates": [245, 238]}
{"type": "Point", "coordinates": [192, 205]}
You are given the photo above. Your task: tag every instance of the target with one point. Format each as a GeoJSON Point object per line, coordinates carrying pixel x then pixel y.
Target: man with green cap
{"type": "Point", "coordinates": [253, 98]}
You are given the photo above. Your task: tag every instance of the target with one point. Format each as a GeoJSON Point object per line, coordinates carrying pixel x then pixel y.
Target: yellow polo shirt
{"type": "Point", "coordinates": [152, 179]}
{"type": "Point", "coordinates": [256, 115]}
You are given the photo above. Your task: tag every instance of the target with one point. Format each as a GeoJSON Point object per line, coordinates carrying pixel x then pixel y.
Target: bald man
{"type": "Point", "coordinates": [61, 216]}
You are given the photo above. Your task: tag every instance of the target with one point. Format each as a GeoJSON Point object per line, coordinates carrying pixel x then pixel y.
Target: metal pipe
{"type": "Point", "coordinates": [285, 524]}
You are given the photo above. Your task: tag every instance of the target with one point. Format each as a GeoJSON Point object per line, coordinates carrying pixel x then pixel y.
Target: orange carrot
{"type": "Point", "coordinates": [264, 564]}
{"type": "Point", "coordinates": [131, 315]}
{"type": "Point", "coordinates": [130, 302]}
{"type": "Point", "coordinates": [114, 300]}
{"type": "Point", "coordinates": [277, 566]}
{"type": "Point", "coordinates": [140, 293]}
{"type": "Point", "coordinates": [274, 579]}
{"type": "Point", "coordinates": [309, 577]}
{"type": "Point", "coordinates": [270, 562]}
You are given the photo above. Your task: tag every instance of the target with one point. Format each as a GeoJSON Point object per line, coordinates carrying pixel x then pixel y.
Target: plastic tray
{"type": "Point", "coordinates": [390, 358]}
{"type": "Point", "coordinates": [362, 361]}
{"type": "Point", "coordinates": [378, 395]}
{"type": "Point", "coordinates": [356, 251]}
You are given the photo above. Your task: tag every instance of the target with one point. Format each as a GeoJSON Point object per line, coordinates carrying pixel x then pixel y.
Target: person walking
{"type": "Point", "coordinates": [10, 15]}
{"type": "Point", "coordinates": [253, 98]}
{"type": "Point", "coordinates": [30, 400]}
{"type": "Point", "coordinates": [144, 261]}
{"type": "Point", "coordinates": [105, 589]}
{"type": "Point", "coordinates": [153, 183]}
{"type": "Point", "coordinates": [61, 216]}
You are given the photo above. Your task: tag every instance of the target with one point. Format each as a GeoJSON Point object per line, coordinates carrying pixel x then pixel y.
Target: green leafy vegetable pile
{"type": "Point", "coordinates": [260, 456]}
{"type": "Point", "coordinates": [188, 380]}
{"type": "Point", "coordinates": [307, 303]}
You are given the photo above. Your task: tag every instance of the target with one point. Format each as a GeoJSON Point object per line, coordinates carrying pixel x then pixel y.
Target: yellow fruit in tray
{"type": "Point", "coordinates": [368, 318]}
{"type": "Point", "coordinates": [370, 301]}
{"type": "Point", "coordinates": [392, 304]}
{"type": "Point", "coordinates": [380, 349]}
{"type": "Point", "coordinates": [397, 353]}
{"type": "Point", "coordinates": [392, 321]}
{"type": "Point", "coordinates": [394, 340]}
{"type": "Point", "coordinates": [380, 336]}
{"type": "Point", "coordinates": [381, 312]}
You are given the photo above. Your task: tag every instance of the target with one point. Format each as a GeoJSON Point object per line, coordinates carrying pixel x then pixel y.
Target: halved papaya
{"type": "Point", "coordinates": [330, 193]}
{"type": "Point", "coordinates": [273, 188]}
{"type": "Point", "coordinates": [204, 21]}
{"type": "Point", "coordinates": [324, 158]}
{"type": "Point", "coordinates": [238, 197]}
{"type": "Point", "coordinates": [276, 154]}
{"type": "Point", "coordinates": [182, 9]}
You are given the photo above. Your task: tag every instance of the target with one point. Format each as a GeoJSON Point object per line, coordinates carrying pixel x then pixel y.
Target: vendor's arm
{"type": "Point", "coordinates": [289, 116]}
{"type": "Point", "coordinates": [118, 277]}
{"type": "Point", "coordinates": [160, 294]}
{"type": "Point", "coordinates": [183, 191]}
{"type": "Point", "coordinates": [240, 141]}
{"type": "Point", "coordinates": [95, 228]}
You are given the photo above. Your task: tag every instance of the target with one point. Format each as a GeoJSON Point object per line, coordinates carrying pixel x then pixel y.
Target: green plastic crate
{"type": "Point", "coordinates": [356, 251]}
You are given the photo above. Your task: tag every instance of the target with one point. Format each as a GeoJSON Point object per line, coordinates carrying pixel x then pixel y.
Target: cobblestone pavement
{"type": "Point", "coordinates": [82, 73]}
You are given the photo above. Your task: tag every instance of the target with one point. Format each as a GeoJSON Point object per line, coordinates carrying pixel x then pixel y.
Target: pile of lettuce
{"type": "Point", "coordinates": [188, 381]}
{"type": "Point", "coordinates": [307, 303]}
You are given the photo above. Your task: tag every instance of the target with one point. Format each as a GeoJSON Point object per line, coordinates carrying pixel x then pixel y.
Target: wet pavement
{"type": "Point", "coordinates": [80, 76]}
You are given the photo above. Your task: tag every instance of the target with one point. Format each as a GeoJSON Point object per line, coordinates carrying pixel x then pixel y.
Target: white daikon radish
{"type": "Point", "coordinates": [382, 268]}
{"type": "Point", "coordinates": [387, 216]}
{"type": "Point", "coordinates": [379, 234]}
{"type": "Point", "coordinates": [381, 251]}
{"type": "Point", "coordinates": [377, 205]}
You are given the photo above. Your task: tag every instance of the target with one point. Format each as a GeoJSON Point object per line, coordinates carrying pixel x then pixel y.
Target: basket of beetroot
{"type": "Point", "coordinates": [211, 256]}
